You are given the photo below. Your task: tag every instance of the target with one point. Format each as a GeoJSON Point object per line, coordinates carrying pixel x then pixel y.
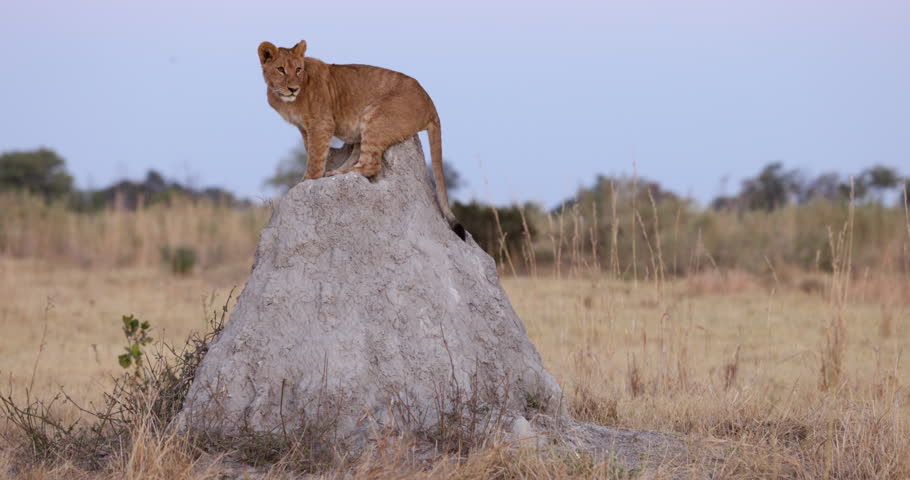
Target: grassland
{"type": "Point", "coordinates": [724, 358]}
{"type": "Point", "coordinates": [779, 372]}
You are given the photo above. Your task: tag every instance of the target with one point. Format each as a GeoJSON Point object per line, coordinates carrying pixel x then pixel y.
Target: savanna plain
{"type": "Point", "coordinates": [774, 371]}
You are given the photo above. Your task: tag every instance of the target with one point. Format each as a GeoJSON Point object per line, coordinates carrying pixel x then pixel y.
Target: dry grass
{"type": "Point", "coordinates": [30, 228]}
{"type": "Point", "coordinates": [789, 373]}
{"type": "Point", "coordinates": [738, 364]}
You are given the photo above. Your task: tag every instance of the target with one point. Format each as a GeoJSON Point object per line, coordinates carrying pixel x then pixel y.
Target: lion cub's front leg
{"type": "Point", "coordinates": [317, 151]}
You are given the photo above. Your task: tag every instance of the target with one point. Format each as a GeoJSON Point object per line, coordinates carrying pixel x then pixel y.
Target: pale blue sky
{"type": "Point", "coordinates": [691, 91]}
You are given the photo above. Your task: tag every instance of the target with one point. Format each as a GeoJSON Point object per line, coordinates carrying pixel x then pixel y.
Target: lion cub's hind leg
{"type": "Point", "coordinates": [383, 124]}
{"type": "Point", "coordinates": [370, 159]}
{"type": "Point", "coordinates": [368, 164]}
{"type": "Point", "coordinates": [372, 144]}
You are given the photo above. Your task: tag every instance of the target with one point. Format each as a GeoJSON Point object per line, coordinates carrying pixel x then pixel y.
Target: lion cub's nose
{"type": "Point", "coordinates": [293, 90]}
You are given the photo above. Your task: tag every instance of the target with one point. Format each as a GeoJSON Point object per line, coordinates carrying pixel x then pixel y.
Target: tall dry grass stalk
{"type": "Point", "coordinates": [644, 234]}
{"type": "Point", "coordinates": [634, 214]}
{"type": "Point", "coordinates": [660, 254]}
{"type": "Point", "coordinates": [575, 242]}
{"type": "Point", "coordinates": [556, 236]}
{"type": "Point", "coordinates": [503, 248]}
{"type": "Point", "coordinates": [614, 233]}
{"type": "Point", "coordinates": [527, 245]}
{"type": "Point", "coordinates": [41, 345]}
{"type": "Point", "coordinates": [907, 208]}
{"type": "Point", "coordinates": [594, 241]}
{"type": "Point", "coordinates": [832, 355]}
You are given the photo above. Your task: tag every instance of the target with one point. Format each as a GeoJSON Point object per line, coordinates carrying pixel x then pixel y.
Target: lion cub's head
{"type": "Point", "coordinates": [283, 69]}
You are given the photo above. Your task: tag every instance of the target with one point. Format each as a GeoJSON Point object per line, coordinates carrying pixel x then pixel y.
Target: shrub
{"type": "Point", "coordinates": [181, 260]}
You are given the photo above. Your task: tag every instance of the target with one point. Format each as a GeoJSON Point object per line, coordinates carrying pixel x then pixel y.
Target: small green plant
{"type": "Point", "coordinates": [181, 260]}
{"type": "Point", "coordinates": [533, 401]}
{"type": "Point", "coordinates": [137, 336]}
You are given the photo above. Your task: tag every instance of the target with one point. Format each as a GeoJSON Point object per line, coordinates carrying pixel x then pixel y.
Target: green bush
{"type": "Point", "coordinates": [181, 260]}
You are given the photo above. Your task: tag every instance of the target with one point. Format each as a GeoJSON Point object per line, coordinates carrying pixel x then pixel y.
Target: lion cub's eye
{"type": "Point", "coordinates": [281, 69]}
{"type": "Point", "coordinates": [298, 70]}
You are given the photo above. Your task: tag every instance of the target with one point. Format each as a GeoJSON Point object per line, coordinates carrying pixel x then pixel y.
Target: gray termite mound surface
{"type": "Point", "coordinates": [364, 309]}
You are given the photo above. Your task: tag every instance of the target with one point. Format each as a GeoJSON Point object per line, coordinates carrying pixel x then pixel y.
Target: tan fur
{"type": "Point", "coordinates": [356, 103]}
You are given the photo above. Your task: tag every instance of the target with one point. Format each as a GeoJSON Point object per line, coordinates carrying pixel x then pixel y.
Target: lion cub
{"type": "Point", "coordinates": [356, 103]}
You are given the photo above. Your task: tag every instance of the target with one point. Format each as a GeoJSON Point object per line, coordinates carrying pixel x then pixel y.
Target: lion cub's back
{"type": "Point", "coordinates": [371, 82]}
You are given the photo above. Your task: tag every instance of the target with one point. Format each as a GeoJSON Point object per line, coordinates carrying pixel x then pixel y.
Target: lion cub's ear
{"type": "Point", "coordinates": [300, 48]}
{"type": "Point", "coordinates": [267, 52]}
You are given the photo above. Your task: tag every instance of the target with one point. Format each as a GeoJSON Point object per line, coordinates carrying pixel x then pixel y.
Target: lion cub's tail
{"type": "Point", "coordinates": [435, 133]}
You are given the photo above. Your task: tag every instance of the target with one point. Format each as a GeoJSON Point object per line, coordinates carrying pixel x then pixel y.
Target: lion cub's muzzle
{"type": "Point", "coordinates": [288, 94]}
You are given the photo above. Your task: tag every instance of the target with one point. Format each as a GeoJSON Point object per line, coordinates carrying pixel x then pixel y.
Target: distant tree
{"type": "Point", "coordinates": [826, 186]}
{"type": "Point", "coordinates": [453, 179]}
{"type": "Point", "coordinates": [905, 193]}
{"type": "Point", "coordinates": [128, 194]}
{"type": "Point", "coordinates": [289, 170]}
{"type": "Point", "coordinates": [771, 188]}
{"type": "Point", "coordinates": [874, 182]}
{"type": "Point", "coordinates": [39, 171]}
{"type": "Point", "coordinates": [220, 196]}
{"type": "Point", "coordinates": [878, 180]}
{"type": "Point", "coordinates": [725, 203]}
{"type": "Point", "coordinates": [654, 189]}
{"type": "Point", "coordinates": [881, 178]}
{"type": "Point", "coordinates": [857, 189]}
{"type": "Point", "coordinates": [155, 182]}
{"type": "Point", "coordinates": [599, 194]}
